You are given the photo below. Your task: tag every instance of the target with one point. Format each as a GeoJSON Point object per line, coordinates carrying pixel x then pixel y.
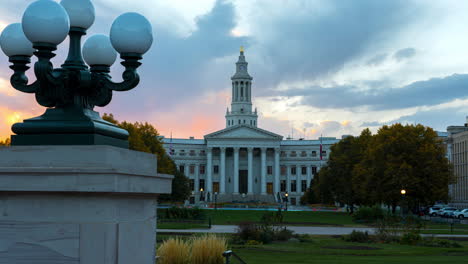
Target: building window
{"type": "Point", "coordinates": [303, 186]}
{"type": "Point", "coordinates": [239, 121]}
{"type": "Point", "coordinates": [254, 122]}
{"type": "Point", "coordinates": [192, 152]}
{"type": "Point", "coordinates": [293, 186]}
{"type": "Point", "coordinates": [202, 184]}
{"type": "Point", "coordinates": [215, 169]}
{"type": "Point", "coordinates": [192, 169]}
{"type": "Point", "coordinates": [314, 153]}
{"type": "Point", "coordinates": [269, 170]}
{"type": "Point", "coordinates": [283, 154]}
{"type": "Point", "coordinates": [192, 184]}
{"type": "Point", "coordinates": [303, 154]}
{"type": "Point", "coordinates": [182, 152]}
{"type": "Point", "coordinates": [182, 169]}
{"type": "Point", "coordinates": [293, 170]}
{"type": "Point", "coordinates": [304, 170]}
{"type": "Point", "coordinates": [283, 185]}
{"type": "Point", "coordinates": [293, 154]}
{"type": "Point", "coordinates": [314, 170]}
{"type": "Point", "coordinates": [202, 153]}
{"type": "Point", "coordinates": [202, 169]}
{"type": "Point", "coordinates": [244, 121]}
{"type": "Point", "coordinates": [283, 170]}
{"type": "Point", "coordinates": [324, 153]}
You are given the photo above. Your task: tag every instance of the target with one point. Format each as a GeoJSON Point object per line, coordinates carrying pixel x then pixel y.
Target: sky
{"type": "Point", "coordinates": [328, 67]}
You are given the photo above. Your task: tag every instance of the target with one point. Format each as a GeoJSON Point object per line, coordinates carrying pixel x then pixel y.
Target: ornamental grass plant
{"type": "Point", "coordinates": [174, 251]}
{"type": "Point", "coordinates": [208, 249]}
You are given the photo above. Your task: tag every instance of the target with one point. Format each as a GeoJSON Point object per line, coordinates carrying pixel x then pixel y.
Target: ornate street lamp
{"type": "Point", "coordinates": [71, 92]}
{"type": "Point", "coordinates": [286, 195]}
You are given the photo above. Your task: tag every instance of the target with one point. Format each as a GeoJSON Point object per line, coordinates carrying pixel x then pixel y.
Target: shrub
{"type": "Point", "coordinates": [368, 214]}
{"type": "Point", "coordinates": [253, 243]}
{"type": "Point", "coordinates": [248, 231]}
{"type": "Point", "coordinates": [208, 249]}
{"type": "Point", "coordinates": [184, 213]}
{"type": "Point", "coordinates": [434, 242]}
{"type": "Point", "coordinates": [410, 238]}
{"type": "Point", "coordinates": [174, 251]}
{"type": "Point", "coordinates": [283, 234]}
{"type": "Point", "coordinates": [357, 236]}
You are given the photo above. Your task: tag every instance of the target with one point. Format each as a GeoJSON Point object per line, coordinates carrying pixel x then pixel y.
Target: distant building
{"type": "Point", "coordinates": [243, 162]}
{"type": "Point", "coordinates": [457, 150]}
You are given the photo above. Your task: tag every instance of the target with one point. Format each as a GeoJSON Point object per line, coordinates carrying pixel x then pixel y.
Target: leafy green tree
{"type": "Point", "coordinates": [144, 137]}
{"type": "Point", "coordinates": [323, 188]}
{"type": "Point", "coordinates": [310, 196]}
{"type": "Point", "coordinates": [407, 157]}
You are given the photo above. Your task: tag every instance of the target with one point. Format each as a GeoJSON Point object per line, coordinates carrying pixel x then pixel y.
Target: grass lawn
{"type": "Point", "coordinates": [334, 250]}
{"type": "Point", "coordinates": [303, 218]}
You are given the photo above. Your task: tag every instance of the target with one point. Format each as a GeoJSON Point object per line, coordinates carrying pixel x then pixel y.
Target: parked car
{"type": "Point", "coordinates": [433, 210]}
{"type": "Point", "coordinates": [460, 214]}
{"type": "Point", "coordinates": [447, 211]}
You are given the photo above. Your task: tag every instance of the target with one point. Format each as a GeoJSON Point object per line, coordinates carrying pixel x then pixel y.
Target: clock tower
{"type": "Point", "coordinates": [241, 103]}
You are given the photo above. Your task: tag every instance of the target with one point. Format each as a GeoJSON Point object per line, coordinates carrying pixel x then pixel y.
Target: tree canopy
{"type": "Point", "coordinates": [144, 137]}
{"type": "Point", "coordinates": [373, 169]}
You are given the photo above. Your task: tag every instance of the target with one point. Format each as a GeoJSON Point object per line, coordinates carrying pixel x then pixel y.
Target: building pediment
{"type": "Point", "coordinates": [243, 132]}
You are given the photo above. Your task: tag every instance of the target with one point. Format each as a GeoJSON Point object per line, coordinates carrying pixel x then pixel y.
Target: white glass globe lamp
{"type": "Point", "coordinates": [97, 50]}
{"type": "Point", "coordinates": [131, 33]}
{"type": "Point", "coordinates": [80, 12]}
{"type": "Point", "coordinates": [46, 21]}
{"type": "Point", "coordinates": [13, 42]}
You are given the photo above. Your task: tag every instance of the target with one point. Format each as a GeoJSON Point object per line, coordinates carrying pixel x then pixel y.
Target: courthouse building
{"type": "Point", "coordinates": [243, 162]}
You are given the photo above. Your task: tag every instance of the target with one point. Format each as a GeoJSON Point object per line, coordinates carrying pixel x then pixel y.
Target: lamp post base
{"type": "Point", "coordinates": [68, 126]}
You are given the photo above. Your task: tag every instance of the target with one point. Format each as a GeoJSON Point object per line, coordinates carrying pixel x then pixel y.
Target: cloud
{"type": "Point", "coordinates": [422, 93]}
{"type": "Point", "coordinates": [404, 54]}
{"type": "Point", "coordinates": [377, 60]}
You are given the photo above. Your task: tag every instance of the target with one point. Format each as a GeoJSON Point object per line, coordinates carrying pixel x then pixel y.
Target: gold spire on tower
{"type": "Point", "coordinates": [241, 48]}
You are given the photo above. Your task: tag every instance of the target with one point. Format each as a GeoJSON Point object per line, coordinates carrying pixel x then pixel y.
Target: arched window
{"type": "Point", "coordinates": [239, 121]}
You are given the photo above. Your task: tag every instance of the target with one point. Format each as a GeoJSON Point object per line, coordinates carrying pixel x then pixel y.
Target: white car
{"type": "Point", "coordinates": [463, 213]}
{"type": "Point", "coordinates": [433, 210]}
{"type": "Point", "coordinates": [447, 211]}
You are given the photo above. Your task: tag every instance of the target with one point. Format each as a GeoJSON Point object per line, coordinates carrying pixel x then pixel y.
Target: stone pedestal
{"type": "Point", "coordinates": [78, 204]}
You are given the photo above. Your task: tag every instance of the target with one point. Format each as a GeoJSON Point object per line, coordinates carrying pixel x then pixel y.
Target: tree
{"type": "Point", "coordinates": [310, 196]}
{"type": "Point", "coordinates": [144, 137]}
{"type": "Point", "coordinates": [407, 157]}
{"type": "Point", "coordinates": [5, 142]}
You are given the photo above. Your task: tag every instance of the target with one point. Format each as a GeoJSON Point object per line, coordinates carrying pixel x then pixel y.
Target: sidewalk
{"type": "Point", "coordinates": [309, 230]}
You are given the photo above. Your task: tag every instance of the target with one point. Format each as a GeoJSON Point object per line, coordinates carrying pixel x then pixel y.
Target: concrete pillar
{"type": "Point", "coordinates": [277, 171]}
{"type": "Point", "coordinates": [209, 171]}
{"type": "Point", "coordinates": [197, 178]}
{"type": "Point", "coordinates": [236, 171]}
{"type": "Point", "coordinates": [263, 170]}
{"type": "Point", "coordinates": [309, 175]}
{"type": "Point", "coordinates": [250, 170]}
{"type": "Point", "coordinates": [78, 204]}
{"type": "Point", "coordinates": [298, 179]}
{"type": "Point", "coordinates": [222, 176]}
{"type": "Point", "coordinates": [288, 179]}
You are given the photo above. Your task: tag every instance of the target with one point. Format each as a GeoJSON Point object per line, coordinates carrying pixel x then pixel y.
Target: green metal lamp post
{"type": "Point", "coordinates": [71, 92]}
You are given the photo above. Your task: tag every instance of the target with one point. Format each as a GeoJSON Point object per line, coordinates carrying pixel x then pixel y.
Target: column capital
{"type": "Point", "coordinates": [222, 149]}
{"type": "Point", "coordinates": [263, 149]}
{"type": "Point", "coordinates": [209, 149]}
{"type": "Point", "coordinates": [236, 149]}
{"type": "Point", "coordinates": [250, 149]}
{"type": "Point", "coordinates": [277, 149]}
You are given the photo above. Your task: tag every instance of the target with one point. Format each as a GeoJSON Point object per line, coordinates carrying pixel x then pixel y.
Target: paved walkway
{"type": "Point", "coordinates": [310, 230]}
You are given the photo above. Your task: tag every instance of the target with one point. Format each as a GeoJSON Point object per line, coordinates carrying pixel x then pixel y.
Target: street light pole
{"type": "Point", "coordinates": [286, 195]}
{"type": "Point", "coordinates": [216, 200]}
{"type": "Point", "coordinates": [71, 92]}
{"type": "Point", "coordinates": [403, 193]}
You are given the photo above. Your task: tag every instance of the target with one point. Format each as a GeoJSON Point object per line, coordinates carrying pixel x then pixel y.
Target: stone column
{"type": "Point", "coordinates": [309, 173]}
{"type": "Point", "coordinates": [298, 179]}
{"type": "Point", "coordinates": [209, 171]}
{"type": "Point", "coordinates": [277, 171]}
{"type": "Point", "coordinates": [288, 179]}
{"type": "Point", "coordinates": [236, 171]}
{"type": "Point", "coordinates": [263, 170]}
{"type": "Point", "coordinates": [250, 170]}
{"type": "Point", "coordinates": [222, 176]}
{"type": "Point", "coordinates": [197, 178]}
